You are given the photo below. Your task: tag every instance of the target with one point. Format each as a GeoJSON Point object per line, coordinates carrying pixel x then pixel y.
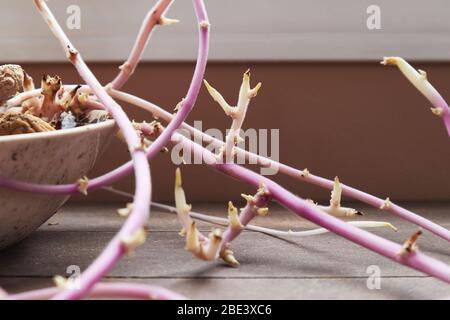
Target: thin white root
{"type": "Point", "coordinates": [268, 231]}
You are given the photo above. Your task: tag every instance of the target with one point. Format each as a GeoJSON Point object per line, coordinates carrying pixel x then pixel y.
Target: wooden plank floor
{"type": "Point", "coordinates": [318, 267]}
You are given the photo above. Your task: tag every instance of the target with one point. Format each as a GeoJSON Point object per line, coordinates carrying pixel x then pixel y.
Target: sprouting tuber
{"type": "Point", "coordinates": [57, 103]}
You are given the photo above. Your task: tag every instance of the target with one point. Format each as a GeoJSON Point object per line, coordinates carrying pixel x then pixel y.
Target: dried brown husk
{"type": "Point", "coordinates": [42, 113]}
{"type": "Point", "coordinates": [14, 122]}
{"type": "Point", "coordinates": [11, 81]}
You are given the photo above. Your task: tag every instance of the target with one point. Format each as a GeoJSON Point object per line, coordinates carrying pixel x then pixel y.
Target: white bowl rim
{"type": "Point", "coordinates": [52, 134]}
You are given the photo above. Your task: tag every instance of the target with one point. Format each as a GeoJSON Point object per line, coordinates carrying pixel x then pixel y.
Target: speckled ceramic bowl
{"type": "Point", "coordinates": [55, 157]}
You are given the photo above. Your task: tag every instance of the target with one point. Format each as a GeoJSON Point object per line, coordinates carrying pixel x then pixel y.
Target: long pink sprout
{"type": "Point", "coordinates": [303, 208]}
{"type": "Point", "coordinates": [292, 172]}
{"type": "Point", "coordinates": [124, 170]}
{"type": "Point", "coordinates": [250, 227]}
{"type": "Point", "coordinates": [106, 290]}
{"type": "Point", "coordinates": [116, 248]}
{"type": "Point", "coordinates": [419, 79]}
{"type": "Point", "coordinates": [151, 20]}
{"type": "Point", "coordinates": [260, 200]}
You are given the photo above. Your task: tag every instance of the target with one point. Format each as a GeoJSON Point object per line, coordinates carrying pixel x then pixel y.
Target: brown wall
{"type": "Point", "coordinates": [360, 121]}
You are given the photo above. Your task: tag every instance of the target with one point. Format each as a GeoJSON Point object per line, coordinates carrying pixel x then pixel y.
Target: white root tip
{"type": "Point", "coordinates": [209, 87]}
{"type": "Point", "coordinates": [262, 212]}
{"type": "Point", "coordinates": [228, 256]}
{"type": "Point", "coordinates": [386, 204]}
{"type": "Point", "coordinates": [125, 212]}
{"type": "Point", "coordinates": [305, 172]}
{"type": "Point", "coordinates": [126, 66]}
{"type": "Point", "coordinates": [390, 225]}
{"type": "Point", "coordinates": [164, 21]}
{"type": "Point", "coordinates": [83, 185]}
{"type": "Point", "coordinates": [183, 208]}
{"type": "Point", "coordinates": [178, 181]}
{"type": "Point", "coordinates": [336, 193]}
{"type": "Point", "coordinates": [233, 217]}
{"type": "Point", "coordinates": [212, 250]}
{"type": "Point", "coordinates": [178, 106]}
{"type": "Point", "coordinates": [437, 111]}
{"type": "Point", "coordinates": [204, 24]}
{"type": "Point", "coordinates": [131, 242]}
{"type": "Point", "coordinates": [182, 232]}
{"type": "Point", "coordinates": [390, 61]}
{"type": "Point", "coordinates": [335, 209]}
{"type": "Point", "coordinates": [262, 190]}
{"type": "Point", "coordinates": [60, 281]}
{"type": "Point", "coordinates": [253, 92]}
{"type": "Point", "coordinates": [229, 111]}
{"type": "Point", "coordinates": [192, 242]}
{"type": "Point", "coordinates": [423, 74]}
{"type": "Point", "coordinates": [250, 199]}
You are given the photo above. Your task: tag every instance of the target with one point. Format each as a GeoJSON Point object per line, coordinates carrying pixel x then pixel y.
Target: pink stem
{"type": "Point", "coordinates": [301, 207]}
{"type": "Point", "coordinates": [115, 249]}
{"type": "Point", "coordinates": [247, 214]}
{"type": "Point", "coordinates": [292, 172]}
{"type": "Point", "coordinates": [125, 169]}
{"type": "Point", "coordinates": [446, 119]}
{"type": "Point", "coordinates": [107, 290]}
{"type": "Point", "coordinates": [122, 171]}
{"type": "Point", "coordinates": [150, 21]}
{"type": "Point", "coordinates": [361, 237]}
